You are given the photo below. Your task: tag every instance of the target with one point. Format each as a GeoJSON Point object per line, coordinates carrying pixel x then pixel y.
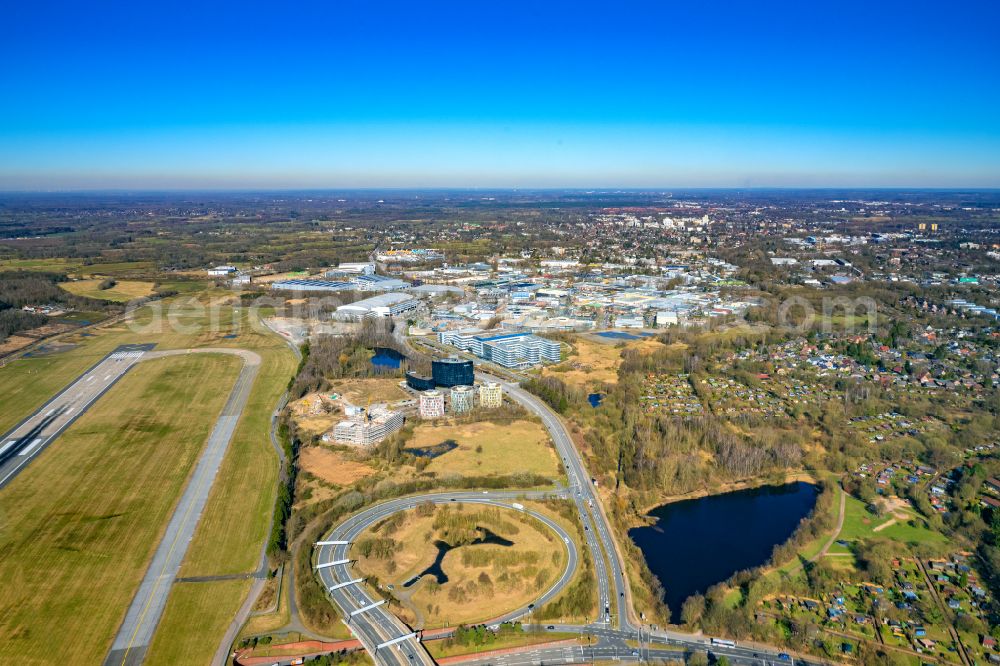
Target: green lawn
{"type": "Point", "coordinates": [82, 521]}
{"type": "Point", "coordinates": [859, 524]}
{"type": "Point", "coordinates": [235, 521]}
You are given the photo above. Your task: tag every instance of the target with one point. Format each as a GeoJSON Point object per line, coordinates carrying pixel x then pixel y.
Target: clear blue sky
{"type": "Point", "coordinates": [344, 94]}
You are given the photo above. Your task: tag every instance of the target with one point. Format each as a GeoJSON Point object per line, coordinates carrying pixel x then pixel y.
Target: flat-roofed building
{"type": "Point", "coordinates": [352, 268]}
{"type": "Point", "coordinates": [490, 395]}
{"type": "Point", "coordinates": [372, 282]}
{"type": "Point", "coordinates": [452, 372]}
{"type": "Point", "coordinates": [310, 285]}
{"type": "Point", "coordinates": [511, 350]}
{"type": "Point", "coordinates": [431, 405]}
{"type": "Point", "coordinates": [462, 399]}
{"type": "Point", "coordinates": [368, 428]}
{"type": "Point", "coordinates": [383, 305]}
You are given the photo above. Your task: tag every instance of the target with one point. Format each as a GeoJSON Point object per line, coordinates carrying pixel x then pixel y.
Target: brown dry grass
{"type": "Point", "coordinates": [332, 466]}
{"type": "Point", "coordinates": [510, 586]}
{"type": "Point", "coordinates": [595, 362]}
{"type": "Point", "coordinates": [489, 448]}
{"type": "Point", "coordinates": [360, 391]}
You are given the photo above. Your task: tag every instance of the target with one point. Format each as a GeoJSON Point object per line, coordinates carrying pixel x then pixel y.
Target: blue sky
{"type": "Point", "coordinates": [508, 94]}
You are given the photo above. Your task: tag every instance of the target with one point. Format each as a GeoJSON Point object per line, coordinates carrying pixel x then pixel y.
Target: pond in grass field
{"type": "Point", "coordinates": [443, 547]}
{"type": "Point", "coordinates": [697, 543]}
{"type": "Point", "coordinates": [595, 399]}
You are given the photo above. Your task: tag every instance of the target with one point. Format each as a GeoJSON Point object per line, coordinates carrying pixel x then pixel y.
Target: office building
{"type": "Point", "coordinates": [462, 399]}
{"type": "Point", "coordinates": [310, 285]}
{"type": "Point", "coordinates": [366, 429]}
{"type": "Point", "coordinates": [418, 382]}
{"type": "Point", "coordinates": [452, 372]}
{"type": "Point", "coordinates": [372, 282]}
{"type": "Point", "coordinates": [431, 405]}
{"type": "Point", "coordinates": [383, 305]}
{"type": "Point", "coordinates": [490, 395]}
{"type": "Point", "coordinates": [511, 350]}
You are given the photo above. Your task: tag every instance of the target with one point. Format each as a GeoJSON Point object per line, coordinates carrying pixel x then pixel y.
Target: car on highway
{"type": "Point", "coordinates": [550, 627]}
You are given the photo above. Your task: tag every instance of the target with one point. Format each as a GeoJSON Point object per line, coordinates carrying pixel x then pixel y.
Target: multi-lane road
{"type": "Point", "coordinates": [371, 622]}
{"type": "Point", "coordinates": [393, 643]}
{"type": "Point", "coordinates": [22, 443]}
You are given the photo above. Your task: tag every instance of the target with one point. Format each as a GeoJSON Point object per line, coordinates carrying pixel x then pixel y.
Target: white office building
{"type": "Point", "coordinates": [383, 305]}
{"type": "Point", "coordinates": [431, 405]}
{"type": "Point", "coordinates": [366, 429]}
{"type": "Point", "coordinates": [511, 350]}
{"type": "Point", "coordinates": [490, 395]}
{"type": "Point", "coordinates": [462, 399]}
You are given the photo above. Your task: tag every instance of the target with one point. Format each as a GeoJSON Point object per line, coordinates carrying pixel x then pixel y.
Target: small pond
{"type": "Point", "coordinates": [387, 358]}
{"type": "Point", "coordinates": [444, 547]}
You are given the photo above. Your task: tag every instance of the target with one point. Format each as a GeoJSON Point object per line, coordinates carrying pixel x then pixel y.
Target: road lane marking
{"type": "Point", "coordinates": [31, 447]}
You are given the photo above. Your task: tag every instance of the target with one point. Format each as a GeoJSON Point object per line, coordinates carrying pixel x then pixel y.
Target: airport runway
{"type": "Point", "coordinates": [26, 440]}
{"type": "Point", "coordinates": [143, 615]}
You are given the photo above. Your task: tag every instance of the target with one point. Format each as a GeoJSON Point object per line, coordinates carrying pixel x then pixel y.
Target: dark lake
{"type": "Point", "coordinates": [387, 358]}
{"type": "Point", "coordinates": [700, 542]}
{"type": "Point", "coordinates": [488, 537]}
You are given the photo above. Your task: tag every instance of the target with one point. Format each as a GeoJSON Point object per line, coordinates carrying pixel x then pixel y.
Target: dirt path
{"type": "Point", "coordinates": [836, 532]}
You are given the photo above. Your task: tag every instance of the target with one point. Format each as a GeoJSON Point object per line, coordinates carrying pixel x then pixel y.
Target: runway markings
{"type": "Point", "coordinates": [6, 446]}
{"type": "Point", "coordinates": [124, 355]}
{"type": "Point", "coordinates": [30, 447]}
{"type": "Point", "coordinates": [50, 412]}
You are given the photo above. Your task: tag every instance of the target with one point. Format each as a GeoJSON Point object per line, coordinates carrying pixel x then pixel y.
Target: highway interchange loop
{"type": "Point", "coordinates": [391, 642]}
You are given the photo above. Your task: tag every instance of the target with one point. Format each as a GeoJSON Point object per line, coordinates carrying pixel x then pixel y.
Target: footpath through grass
{"type": "Point", "coordinates": [80, 523]}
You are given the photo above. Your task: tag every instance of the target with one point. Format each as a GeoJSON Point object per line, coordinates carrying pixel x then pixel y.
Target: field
{"type": "Point", "coordinates": [483, 580]}
{"type": "Point", "coordinates": [212, 603]}
{"type": "Point", "coordinates": [359, 391]}
{"type": "Point", "coordinates": [234, 525]}
{"type": "Point", "coordinates": [82, 521]}
{"type": "Point", "coordinates": [124, 290]}
{"type": "Point", "coordinates": [489, 448]}
{"type": "Point", "coordinates": [592, 362]}
{"type": "Point", "coordinates": [860, 524]}
{"type": "Point", "coordinates": [332, 466]}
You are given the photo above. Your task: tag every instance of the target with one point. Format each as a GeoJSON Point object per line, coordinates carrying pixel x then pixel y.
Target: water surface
{"type": "Point", "coordinates": [387, 358]}
{"type": "Point", "coordinates": [697, 543]}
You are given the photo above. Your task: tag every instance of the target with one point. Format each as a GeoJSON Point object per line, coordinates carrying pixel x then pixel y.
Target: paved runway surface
{"type": "Point", "coordinates": [26, 440]}
{"type": "Point", "coordinates": [136, 632]}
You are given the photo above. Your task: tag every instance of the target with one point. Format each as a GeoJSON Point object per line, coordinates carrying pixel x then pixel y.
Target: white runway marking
{"type": "Point", "coordinates": [49, 413]}
{"type": "Point", "coordinates": [31, 447]}
{"type": "Point", "coordinates": [6, 446]}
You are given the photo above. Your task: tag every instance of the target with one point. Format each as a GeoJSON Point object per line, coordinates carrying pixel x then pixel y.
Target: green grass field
{"type": "Point", "coordinates": [124, 290]}
{"type": "Point", "coordinates": [82, 521]}
{"type": "Point", "coordinates": [212, 605]}
{"type": "Point", "coordinates": [860, 524]}
{"type": "Point", "coordinates": [235, 521]}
